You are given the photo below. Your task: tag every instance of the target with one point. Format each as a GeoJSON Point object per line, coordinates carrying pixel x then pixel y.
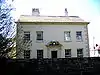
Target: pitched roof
{"type": "Point", "coordinates": [29, 18]}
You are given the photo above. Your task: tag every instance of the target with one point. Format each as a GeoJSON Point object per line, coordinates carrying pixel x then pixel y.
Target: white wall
{"type": "Point", "coordinates": [56, 32]}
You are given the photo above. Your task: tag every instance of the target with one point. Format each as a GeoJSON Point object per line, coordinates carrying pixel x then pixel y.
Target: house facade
{"type": "Point", "coordinates": [55, 36]}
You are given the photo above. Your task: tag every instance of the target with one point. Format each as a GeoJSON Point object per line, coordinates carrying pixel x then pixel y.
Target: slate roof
{"type": "Point", "coordinates": [30, 18]}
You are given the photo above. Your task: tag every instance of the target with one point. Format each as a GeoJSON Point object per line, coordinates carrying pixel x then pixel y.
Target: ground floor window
{"type": "Point", "coordinates": [80, 52]}
{"type": "Point", "coordinates": [67, 53]}
{"type": "Point", "coordinates": [39, 53]}
{"type": "Point", "coordinates": [26, 54]}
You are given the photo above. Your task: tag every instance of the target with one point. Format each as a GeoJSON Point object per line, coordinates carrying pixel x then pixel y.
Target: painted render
{"type": "Point", "coordinates": [56, 32]}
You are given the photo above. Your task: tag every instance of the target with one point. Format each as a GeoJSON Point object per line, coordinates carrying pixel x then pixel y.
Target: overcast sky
{"type": "Point", "coordinates": [86, 9]}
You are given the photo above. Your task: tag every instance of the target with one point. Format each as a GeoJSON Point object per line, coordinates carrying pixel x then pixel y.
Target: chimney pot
{"type": "Point", "coordinates": [66, 12]}
{"type": "Point", "coordinates": [35, 12]}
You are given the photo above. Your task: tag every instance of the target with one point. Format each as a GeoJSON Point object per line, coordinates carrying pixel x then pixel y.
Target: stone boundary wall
{"type": "Point", "coordinates": [58, 66]}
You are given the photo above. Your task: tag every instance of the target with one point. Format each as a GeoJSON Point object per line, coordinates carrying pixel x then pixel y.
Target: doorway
{"type": "Point", "coordinates": [53, 54]}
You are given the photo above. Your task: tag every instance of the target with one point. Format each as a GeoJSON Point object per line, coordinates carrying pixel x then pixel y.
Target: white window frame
{"type": "Point", "coordinates": [67, 35]}
{"type": "Point", "coordinates": [40, 50]}
{"type": "Point", "coordinates": [41, 33]}
{"type": "Point", "coordinates": [80, 54]}
{"type": "Point", "coordinates": [79, 37]}
{"type": "Point", "coordinates": [26, 55]}
{"type": "Point", "coordinates": [69, 53]}
{"type": "Point", "coordinates": [25, 33]}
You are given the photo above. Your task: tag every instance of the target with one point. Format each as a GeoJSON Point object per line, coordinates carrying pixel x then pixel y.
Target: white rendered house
{"type": "Point", "coordinates": [55, 36]}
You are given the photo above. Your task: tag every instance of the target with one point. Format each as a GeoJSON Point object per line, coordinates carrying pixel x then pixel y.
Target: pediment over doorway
{"type": "Point", "coordinates": [53, 44]}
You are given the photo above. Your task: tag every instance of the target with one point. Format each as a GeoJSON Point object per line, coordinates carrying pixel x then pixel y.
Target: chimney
{"type": "Point", "coordinates": [35, 12]}
{"type": "Point", "coordinates": [66, 12]}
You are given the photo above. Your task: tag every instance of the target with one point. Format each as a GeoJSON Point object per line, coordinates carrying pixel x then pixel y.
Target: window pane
{"type": "Point", "coordinates": [39, 35]}
{"type": "Point", "coordinates": [67, 53]}
{"type": "Point", "coordinates": [79, 35]}
{"type": "Point", "coordinates": [67, 35]}
{"type": "Point", "coordinates": [26, 54]}
{"type": "Point", "coordinates": [39, 53]}
{"type": "Point", "coordinates": [26, 35]}
{"type": "Point", "coordinates": [80, 52]}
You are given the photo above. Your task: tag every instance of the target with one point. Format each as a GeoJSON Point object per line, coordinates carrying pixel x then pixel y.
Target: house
{"type": "Point", "coordinates": [55, 36]}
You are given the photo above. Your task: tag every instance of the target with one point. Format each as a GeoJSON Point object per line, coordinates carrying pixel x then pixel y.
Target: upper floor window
{"type": "Point", "coordinates": [67, 53]}
{"type": "Point", "coordinates": [80, 52]}
{"type": "Point", "coordinates": [79, 35]}
{"type": "Point", "coordinates": [39, 35]}
{"type": "Point", "coordinates": [26, 54]}
{"type": "Point", "coordinates": [26, 35]}
{"type": "Point", "coordinates": [67, 35]}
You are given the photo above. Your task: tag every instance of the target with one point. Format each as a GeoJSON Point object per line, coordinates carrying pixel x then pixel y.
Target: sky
{"type": "Point", "coordinates": [86, 9]}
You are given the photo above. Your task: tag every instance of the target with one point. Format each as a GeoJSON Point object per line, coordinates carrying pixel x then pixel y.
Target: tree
{"type": "Point", "coordinates": [6, 46]}
{"type": "Point", "coordinates": [13, 45]}
{"type": "Point", "coordinates": [7, 28]}
{"type": "Point", "coordinates": [21, 44]}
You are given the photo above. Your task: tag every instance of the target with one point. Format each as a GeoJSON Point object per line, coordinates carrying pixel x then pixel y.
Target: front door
{"type": "Point", "coordinates": [53, 54]}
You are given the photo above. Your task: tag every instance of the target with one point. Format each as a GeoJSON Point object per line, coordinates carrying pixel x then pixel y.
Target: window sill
{"type": "Point", "coordinates": [79, 56]}
{"type": "Point", "coordinates": [79, 41]}
{"type": "Point", "coordinates": [39, 41]}
{"type": "Point", "coordinates": [68, 56]}
{"type": "Point", "coordinates": [67, 40]}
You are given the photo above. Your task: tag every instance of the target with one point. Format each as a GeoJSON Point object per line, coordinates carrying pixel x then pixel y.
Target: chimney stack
{"type": "Point", "coordinates": [66, 12]}
{"type": "Point", "coordinates": [35, 12]}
